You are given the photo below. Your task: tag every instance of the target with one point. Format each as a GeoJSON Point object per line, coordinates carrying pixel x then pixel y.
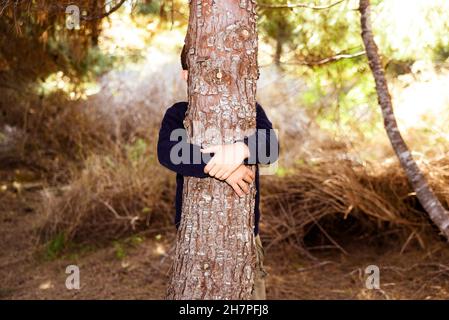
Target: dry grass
{"type": "Point", "coordinates": [316, 195]}
{"type": "Point", "coordinates": [54, 136]}
{"type": "Point", "coordinates": [112, 197]}
{"type": "Point", "coordinates": [115, 196]}
{"type": "Point", "coordinates": [97, 157]}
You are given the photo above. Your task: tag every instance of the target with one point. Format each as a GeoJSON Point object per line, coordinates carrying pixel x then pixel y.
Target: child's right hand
{"type": "Point", "coordinates": [240, 180]}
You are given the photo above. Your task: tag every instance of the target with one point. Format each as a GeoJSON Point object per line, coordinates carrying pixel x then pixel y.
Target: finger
{"type": "Point", "coordinates": [248, 178]}
{"type": "Point", "coordinates": [237, 189]}
{"type": "Point", "coordinates": [213, 172]}
{"type": "Point", "coordinates": [243, 185]}
{"type": "Point", "coordinates": [228, 170]}
{"type": "Point", "coordinates": [234, 166]}
{"type": "Point", "coordinates": [220, 174]}
{"type": "Point", "coordinates": [227, 175]}
{"type": "Point", "coordinates": [246, 172]}
{"type": "Point", "coordinates": [209, 166]}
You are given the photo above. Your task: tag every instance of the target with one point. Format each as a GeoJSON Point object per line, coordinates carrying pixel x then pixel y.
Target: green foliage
{"type": "Point", "coordinates": [121, 247]}
{"type": "Point", "coordinates": [136, 240]}
{"type": "Point", "coordinates": [137, 150]}
{"type": "Point", "coordinates": [310, 35]}
{"type": "Point", "coordinates": [152, 7]}
{"type": "Point", "coordinates": [167, 13]}
{"type": "Point", "coordinates": [96, 63]}
{"type": "Point", "coordinates": [120, 251]}
{"type": "Point", "coordinates": [55, 247]}
{"type": "Point", "coordinates": [441, 52]}
{"type": "Point", "coordinates": [340, 94]}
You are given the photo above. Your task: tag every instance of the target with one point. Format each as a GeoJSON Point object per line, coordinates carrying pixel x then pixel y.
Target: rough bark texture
{"type": "Point", "coordinates": [416, 178]}
{"type": "Point", "coordinates": [215, 252]}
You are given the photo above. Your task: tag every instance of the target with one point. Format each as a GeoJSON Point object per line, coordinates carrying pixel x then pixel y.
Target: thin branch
{"type": "Point", "coordinates": [105, 14]}
{"type": "Point", "coordinates": [424, 192]}
{"type": "Point", "coordinates": [327, 235]}
{"type": "Point", "coordinates": [335, 58]}
{"type": "Point", "coordinates": [60, 8]}
{"type": "Point", "coordinates": [299, 5]}
{"type": "Point", "coordinates": [4, 6]}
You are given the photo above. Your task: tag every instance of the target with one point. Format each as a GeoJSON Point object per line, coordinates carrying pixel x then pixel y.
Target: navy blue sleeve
{"type": "Point", "coordinates": [263, 144]}
{"type": "Point", "coordinates": [177, 154]}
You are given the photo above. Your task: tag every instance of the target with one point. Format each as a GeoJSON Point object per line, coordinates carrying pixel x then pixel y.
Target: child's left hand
{"type": "Point", "coordinates": [227, 158]}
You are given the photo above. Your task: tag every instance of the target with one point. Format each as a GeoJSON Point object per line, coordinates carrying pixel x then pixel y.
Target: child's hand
{"type": "Point", "coordinates": [227, 158]}
{"type": "Point", "coordinates": [240, 180]}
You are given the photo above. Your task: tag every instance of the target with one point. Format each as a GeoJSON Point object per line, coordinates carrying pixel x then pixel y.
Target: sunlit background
{"type": "Point", "coordinates": [139, 45]}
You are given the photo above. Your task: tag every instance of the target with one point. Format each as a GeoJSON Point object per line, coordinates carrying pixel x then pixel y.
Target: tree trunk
{"type": "Point", "coordinates": [95, 10]}
{"type": "Point", "coordinates": [424, 192]}
{"type": "Point", "coordinates": [278, 52]}
{"type": "Point", "coordinates": [215, 251]}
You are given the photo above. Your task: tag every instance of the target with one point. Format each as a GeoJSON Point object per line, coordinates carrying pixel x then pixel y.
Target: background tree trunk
{"type": "Point", "coordinates": [215, 252]}
{"type": "Point", "coordinates": [416, 178]}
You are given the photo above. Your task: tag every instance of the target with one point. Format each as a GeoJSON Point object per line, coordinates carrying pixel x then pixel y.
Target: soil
{"type": "Point", "coordinates": [137, 268]}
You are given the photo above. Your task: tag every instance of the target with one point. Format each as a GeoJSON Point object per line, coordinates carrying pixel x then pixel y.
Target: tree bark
{"type": "Point", "coordinates": [215, 251]}
{"type": "Point", "coordinates": [424, 192]}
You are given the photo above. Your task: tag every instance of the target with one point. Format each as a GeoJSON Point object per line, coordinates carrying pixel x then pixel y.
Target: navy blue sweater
{"type": "Point", "coordinates": [264, 139]}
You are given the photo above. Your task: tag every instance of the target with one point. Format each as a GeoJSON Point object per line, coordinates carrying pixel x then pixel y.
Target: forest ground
{"type": "Point", "coordinates": [138, 270]}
